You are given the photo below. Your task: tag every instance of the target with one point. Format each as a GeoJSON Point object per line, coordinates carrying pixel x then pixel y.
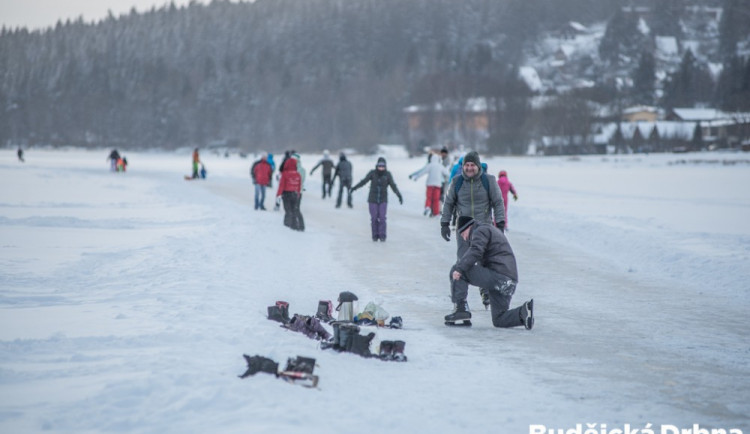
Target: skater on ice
{"type": "Point", "coordinates": [113, 157]}
{"type": "Point", "coordinates": [196, 164]}
{"type": "Point", "coordinates": [122, 164]}
{"type": "Point", "coordinates": [506, 186]}
{"type": "Point", "coordinates": [273, 167]}
{"type": "Point", "coordinates": [472, 193]}
{"type": "Point", "coordinates": [290, 192]}
{"type": "Point", "coordinates": [489, 263]}
{"type": "Point", "coordinates": [261, 172]}
{"type": "Point", "coordinates": [327, 165]}
{"type": "Point", "coordinates": [436, 176]}
{"type": "Point", "coordinates": [380, 179]}
{"type": "Point", "coordinates": [344, 173]}
{"type": "Point", "coordinates": [445, 160]}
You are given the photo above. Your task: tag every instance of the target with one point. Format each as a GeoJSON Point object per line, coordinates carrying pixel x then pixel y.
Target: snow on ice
{"type": "Point", "coordinates": [128, 299]}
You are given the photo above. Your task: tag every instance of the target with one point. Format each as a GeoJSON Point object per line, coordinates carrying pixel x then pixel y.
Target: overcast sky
{"type": "Point", "coordinates": [38, 14]}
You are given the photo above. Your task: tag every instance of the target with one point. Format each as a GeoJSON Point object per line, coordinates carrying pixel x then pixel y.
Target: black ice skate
{"type": "Point", "coordinates": [460, 316]}
{"type": "Point", "coordinates": [527, 314]}
{"type": "Point", "coordinates": [485, 299]}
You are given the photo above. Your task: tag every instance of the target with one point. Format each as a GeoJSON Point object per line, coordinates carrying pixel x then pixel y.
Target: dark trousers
{"type": "Point", "coordinates": [377, 219]}
{"type": "Point", "coordinates": [327, 185]}
{"type": "Point", "coordinates": [500, 288]}
{"type": "Point", "coordinates": [345, 184]}
{"type": "Point", "coordinates": [292, 214]}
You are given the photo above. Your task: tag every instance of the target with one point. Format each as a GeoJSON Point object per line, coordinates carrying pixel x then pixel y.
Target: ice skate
{"type": "Point", "coordinates": [527, 314]}
{"type": "Point", "coordinates": [485, 299]}
{"type": "Point", "coordinates": [460, 316]}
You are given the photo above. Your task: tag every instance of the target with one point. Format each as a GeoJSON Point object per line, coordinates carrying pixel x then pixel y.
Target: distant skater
{"type": "Point", "coordinates": [122, 164]}
{"type": "Point", "coordinates": [114, 156]}
{"type": "Point", "coordinates": [344, 173]}
{"type": "Point", "coordinates": [506, 186]}
{"type": "Point", "coordinates": [380, 179]}
{"type": "Point", "coordinates": [328, 165]}
{"type": "Point", "coordinates": [196, 164]}
{"type": "Point", "coordinates": [290, 193]}
{"type": "Point", "coordinates": [20, 155]}
{"type": "Point", "coordinates": [261, 173]}
{"type": "Point", "coordinates": [437, 174]}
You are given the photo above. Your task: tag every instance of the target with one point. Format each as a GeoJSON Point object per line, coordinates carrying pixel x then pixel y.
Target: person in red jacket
{"type": "Point", "coordinates": [261, 173]}
{"type": "Point", "coordinates": [290, 191]}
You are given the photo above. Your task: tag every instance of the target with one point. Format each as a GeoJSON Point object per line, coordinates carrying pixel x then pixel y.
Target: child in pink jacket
{"type": "Point", "coordinates": [506, 186]}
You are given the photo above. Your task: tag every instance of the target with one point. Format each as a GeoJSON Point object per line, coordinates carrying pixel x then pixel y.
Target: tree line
{"type": "Point", "coordinates": [281, 74]}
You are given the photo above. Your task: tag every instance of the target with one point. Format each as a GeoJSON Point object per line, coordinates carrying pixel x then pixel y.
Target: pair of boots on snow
{"type": "Point", "coordinates": [280, 311]}
{"type": "Point", "coordinates": [346, 337]}
{"type": "Point", "coordinates": [462, 315]}
{"type": "Point", "coordinates": [308, 325]}
{"type": "Point", "coordinates": [392, 350]}
{"type": "Point", "coordinates": [259, 363]}
{"type": "Point", "coordinates": [298, 370]}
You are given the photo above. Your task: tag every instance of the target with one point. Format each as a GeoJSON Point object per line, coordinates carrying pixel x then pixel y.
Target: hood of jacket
{"type": "Point", "coordinates": [290, 165]}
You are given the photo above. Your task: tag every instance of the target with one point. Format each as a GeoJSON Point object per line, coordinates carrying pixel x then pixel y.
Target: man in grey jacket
{"type": "Point", "coordinates": [489, 263]}
{"type": "Point", "coordinates": [470, 195]}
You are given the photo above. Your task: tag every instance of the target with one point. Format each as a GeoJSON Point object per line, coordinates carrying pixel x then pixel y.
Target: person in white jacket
{"type": "Point", "coordinates": [436, 176]}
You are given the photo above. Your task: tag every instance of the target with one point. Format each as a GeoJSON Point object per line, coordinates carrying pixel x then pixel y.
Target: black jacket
{"type": "Point", "coordinates": [343, 170]}
{"type": "Point", "coordinates": [379, 181]}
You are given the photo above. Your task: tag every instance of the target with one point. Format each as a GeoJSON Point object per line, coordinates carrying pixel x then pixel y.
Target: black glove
{"type": "Point", "coordinates": [445, 231]}
{"type": "Point", "coordinates": [401, 200]}
{"type": "Point", "coordinates": [501, 225]}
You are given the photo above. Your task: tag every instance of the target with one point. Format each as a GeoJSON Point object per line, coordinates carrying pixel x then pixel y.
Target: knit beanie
{"type": "Point", "coordinates": [464, 222]}
{"type": "Point", "coordinates": [472, 157]}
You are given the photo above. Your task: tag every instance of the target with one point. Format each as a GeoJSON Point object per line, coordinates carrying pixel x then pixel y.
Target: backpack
{"type": "Point", "coordinates": [483, 177]}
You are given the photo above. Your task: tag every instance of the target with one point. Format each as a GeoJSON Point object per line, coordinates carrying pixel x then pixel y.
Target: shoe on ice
{"type": "Point", "coordinates": [527, 314]}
